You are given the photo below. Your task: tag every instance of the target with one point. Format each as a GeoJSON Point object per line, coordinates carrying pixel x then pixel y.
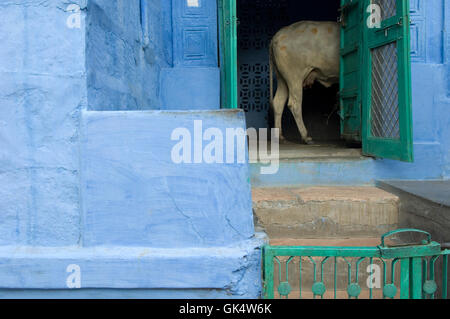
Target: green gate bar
{"type": "Point", "coordinates": [412, 275]}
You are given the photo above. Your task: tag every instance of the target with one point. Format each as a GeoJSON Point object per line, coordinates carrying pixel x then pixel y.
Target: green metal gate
{"type": "Point", "coordinates": [405, 271]}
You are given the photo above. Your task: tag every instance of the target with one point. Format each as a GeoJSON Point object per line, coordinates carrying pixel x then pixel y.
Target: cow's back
{"type": "Point", "coordinates": [308, 45]}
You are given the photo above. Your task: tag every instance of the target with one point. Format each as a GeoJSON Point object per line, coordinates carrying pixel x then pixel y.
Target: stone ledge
{"type": "Point", "coordinates": [328, 242]}
{"type": "Point", "coordinates": [235, 269]}
{"type": "Point", "coordinates": [320, 194]}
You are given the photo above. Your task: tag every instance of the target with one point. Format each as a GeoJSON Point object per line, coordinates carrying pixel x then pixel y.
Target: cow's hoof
{"type": "Point", "coordinates": [309, 141]}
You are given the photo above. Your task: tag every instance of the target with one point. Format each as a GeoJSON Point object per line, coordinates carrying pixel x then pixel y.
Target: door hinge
{"type": "Point", "coordinates": [341, 17]}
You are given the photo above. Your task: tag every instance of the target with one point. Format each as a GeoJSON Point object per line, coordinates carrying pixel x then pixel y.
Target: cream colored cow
{"type": "Point", "coordinates": [301, 54]}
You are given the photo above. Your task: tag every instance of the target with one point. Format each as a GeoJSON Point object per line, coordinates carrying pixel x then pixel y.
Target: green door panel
{"type": "Point", "coordinates": [386, 93]}
{"type": "Point", "coordinates": [350, 71]}
{"type": "Point", "coordinates": [228, 53]}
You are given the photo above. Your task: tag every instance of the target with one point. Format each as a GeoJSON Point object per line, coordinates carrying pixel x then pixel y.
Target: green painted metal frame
{"type": "Point", "coordinates": [350, 70]}
{"type": "Point", "coordinates": [395, 29]}
{"type": "Point", "coordinates": [416, 280]}
{"type": "Point", "coordinates": [228, 53]}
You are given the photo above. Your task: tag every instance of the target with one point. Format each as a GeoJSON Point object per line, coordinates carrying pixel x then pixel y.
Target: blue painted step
{"type": "Point", "coordinates": [344, 167]}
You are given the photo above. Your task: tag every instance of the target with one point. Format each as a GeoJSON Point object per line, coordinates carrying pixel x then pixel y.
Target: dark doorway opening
{"type": "Point", "coordinates": [259, 21]}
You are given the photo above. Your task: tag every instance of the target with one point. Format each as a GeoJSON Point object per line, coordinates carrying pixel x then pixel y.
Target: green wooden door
{"type": "Point", "coordinates": [228, 53]}
{"type": "Point", "coordinates": [386, 79]}
{"type": "Point", "coordinates": [350, 71]}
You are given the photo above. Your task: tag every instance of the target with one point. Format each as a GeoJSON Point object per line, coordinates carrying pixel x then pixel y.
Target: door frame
{"type": "Point", "coordinates": [227, 30]}
{"type": "Point", "coordinates": [399, 33]}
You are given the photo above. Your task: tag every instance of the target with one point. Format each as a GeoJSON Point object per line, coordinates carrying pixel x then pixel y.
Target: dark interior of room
{"type": "Point", "coordinates": [259, 21]}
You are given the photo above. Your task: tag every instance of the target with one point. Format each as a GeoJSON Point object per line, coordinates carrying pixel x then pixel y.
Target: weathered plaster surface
{"type": "Point", "coordinates": [96, 189]}
{"type": "Point", "coordinates": [43, 89]}
{"type": "Point", "coordinates": [134, 194]}
{"type": "Point", "coordinates": [123, 55]}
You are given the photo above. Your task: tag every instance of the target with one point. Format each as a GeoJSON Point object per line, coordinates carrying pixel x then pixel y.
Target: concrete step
{"type": "Point", "coordinates": [327, 242]}
{"type": "Point", "coordinates": [325, 212]}
{"type": "Point", "coordinates": [341, 282]}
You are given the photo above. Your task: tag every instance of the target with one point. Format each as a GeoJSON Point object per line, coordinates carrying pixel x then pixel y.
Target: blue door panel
{"type": "Point", "coordinates": [195, 33]}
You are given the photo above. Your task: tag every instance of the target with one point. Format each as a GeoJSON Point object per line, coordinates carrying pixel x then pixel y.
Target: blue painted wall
{"type": "Point", "coordinates": [85, 168]}
{"type": "Point", "coordinates": [152, 54]}
{"type": "Point", "coordinates": [123, 66]}
{"type": "Point", "coordinates": [134, 194]}
{"type": "Point", "coordinates": [430, 78]}
{"type": "Point", "coordinates": [444, 99]}
{"type": "Point", "coordinates": [43, 89]}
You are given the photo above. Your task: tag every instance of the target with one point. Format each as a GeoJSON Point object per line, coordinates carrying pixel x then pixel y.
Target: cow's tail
{"type": "Point", "coordinates": [271, 70]}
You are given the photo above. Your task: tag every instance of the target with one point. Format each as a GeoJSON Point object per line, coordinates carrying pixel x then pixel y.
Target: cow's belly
{"type": "Point", "coordinates": [308, 46]}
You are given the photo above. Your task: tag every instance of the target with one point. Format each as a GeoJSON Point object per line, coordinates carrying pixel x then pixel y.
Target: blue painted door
{"type": "Point", "coordinates": [195, 33]}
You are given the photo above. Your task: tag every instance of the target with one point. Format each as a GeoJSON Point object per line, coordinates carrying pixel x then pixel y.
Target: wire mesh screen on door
{"type": "Point", "coordinates": [259, 20]}
{"type": "Point", "coordinates": [385, 112]}
{"type": "Point", "coordinates": [385, 101]}
{"type": "Point", "coordinates": [388, 8]}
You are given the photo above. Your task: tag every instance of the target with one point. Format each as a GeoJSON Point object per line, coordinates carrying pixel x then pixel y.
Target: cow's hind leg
{"type": "Point", "coordinates": [295, 105]}
{"type": "Point", "coordinates": [279, 103]}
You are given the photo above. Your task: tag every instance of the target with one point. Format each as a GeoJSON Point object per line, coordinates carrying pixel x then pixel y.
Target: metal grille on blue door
{"type": "Point", "coordinates": [259, 21]}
